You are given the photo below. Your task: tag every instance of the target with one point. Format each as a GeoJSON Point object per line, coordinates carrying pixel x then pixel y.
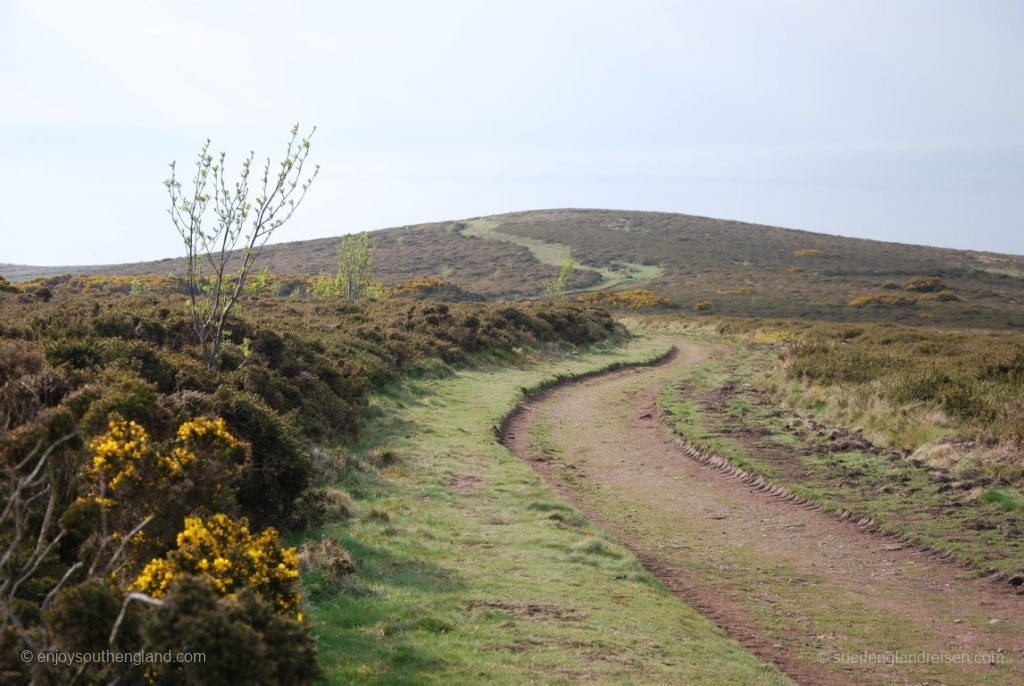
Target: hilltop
{"type": "Point", "coordinates": [742, 269]}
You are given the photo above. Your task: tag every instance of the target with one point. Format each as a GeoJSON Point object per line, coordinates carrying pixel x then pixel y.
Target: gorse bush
{"type": "Point", "coordinates": [633, 299]}
{"type": "Point", "coordinates": [242, 637]}
{"type": "Point", "coordinates": [431, 288]}
{"type": "Point", "coordinates": [924, 284]}
{"type": "Point", "coordinates": [881, 299]}
{"type": "Point", "coordinates": [138, 469]}
{"type": "Point", "coordinates": [131, 479]}
{"type": "Point", "coordinates": [225, 552]}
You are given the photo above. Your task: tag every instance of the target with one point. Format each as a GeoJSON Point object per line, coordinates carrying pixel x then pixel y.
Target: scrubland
{"type": "Point", "coordinates": [132, 467]}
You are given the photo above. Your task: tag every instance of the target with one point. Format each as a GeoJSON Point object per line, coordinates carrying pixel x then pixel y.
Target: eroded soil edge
{"type": "Point", "coordinates": [730, 528]}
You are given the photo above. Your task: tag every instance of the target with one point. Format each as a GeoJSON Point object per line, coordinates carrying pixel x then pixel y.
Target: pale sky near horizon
{"type": "Point", "coordinates": [898, 120]}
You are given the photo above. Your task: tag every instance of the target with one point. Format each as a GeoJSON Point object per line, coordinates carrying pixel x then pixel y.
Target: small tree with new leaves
{"type": "Point", "coordinates": [559, 286]}
{"type": "Point", "coordinates": [215, 272]}
{"type": "Point", "coordinates": [355, 266]}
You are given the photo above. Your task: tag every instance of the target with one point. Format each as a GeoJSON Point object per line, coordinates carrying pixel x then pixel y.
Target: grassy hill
{"type": "Point", "coordinates": [741, 269]}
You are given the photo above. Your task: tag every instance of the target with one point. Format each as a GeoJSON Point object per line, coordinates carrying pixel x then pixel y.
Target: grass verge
{"type": "Point", "coordinates": [470, 569]}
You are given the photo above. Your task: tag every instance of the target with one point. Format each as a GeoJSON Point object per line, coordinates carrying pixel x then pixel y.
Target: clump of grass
{"type": "Point", "coordinates": [1011, 501]}
{"type": "Point", "coordinates": [806, 492]}
{"type": "Point", "coordinates": [547, 507]}
{"type": "Point", "coordinates": [327, 465]}
{"type": "Point", "coordinates": [593, 546]}
{"type": "Point", "coordinates": [327, 556]}
{"type": "Point", "coordinates": [434, 625]}
{"type": "Point", "coordinates": [327, 567]}
{"type": "Point", "coordinates": [810, 252]}
{"type": "Point", "coordinates": [382, 456]}
{"type": "Point", "coordinates": [377, 514]}
{"type": "Point", "coordinates": [945, 295]}
{"type": "Point", "coordinates": [569, 519]}
{"type": "Point", "coordinates": [338, 504]}
{"type": "Point", "coordinates": [702, 305]}
{"type": "Point", "coordinates": [740, 406]}
{"type": "Point", "coordinates": [881, 299]}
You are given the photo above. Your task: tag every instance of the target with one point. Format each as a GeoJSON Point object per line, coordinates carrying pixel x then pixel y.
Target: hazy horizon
{"type": "Point", "coordinates": [891, 121]}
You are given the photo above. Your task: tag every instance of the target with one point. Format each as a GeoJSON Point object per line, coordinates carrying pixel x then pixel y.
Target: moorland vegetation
{"type": "Point", "coordinates": [147, 489]}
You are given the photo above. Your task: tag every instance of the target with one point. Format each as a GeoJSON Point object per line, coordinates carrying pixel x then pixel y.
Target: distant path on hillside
{"type": "Point", "coordinates": [556, 254]}
{"type": "Point", "coordinates": [827, 602]}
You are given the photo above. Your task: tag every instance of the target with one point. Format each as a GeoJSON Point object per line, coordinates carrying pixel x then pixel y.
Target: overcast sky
{"type": "Point", "coordinates": [898, 119]}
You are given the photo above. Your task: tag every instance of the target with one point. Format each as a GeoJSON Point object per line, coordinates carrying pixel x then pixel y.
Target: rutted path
{"type": "Point", "coordinates": [824, 600]}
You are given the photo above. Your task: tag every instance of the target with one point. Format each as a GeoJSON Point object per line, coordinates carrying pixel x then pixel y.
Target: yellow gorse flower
{"type": "Point", "coordinates": [156, 576]}
{"type": "Point", "coordinates": [204, 427]}
{"type": "Point", "coordinates": [114, 453]}
{"type": "Point", "coordinates": [124, 454]}
{"type": "Point", "coordinates": [224, 551]}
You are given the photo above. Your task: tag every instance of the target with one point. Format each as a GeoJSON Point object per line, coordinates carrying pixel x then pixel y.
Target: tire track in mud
{"type": "Point", "coordinates": [786, 580]}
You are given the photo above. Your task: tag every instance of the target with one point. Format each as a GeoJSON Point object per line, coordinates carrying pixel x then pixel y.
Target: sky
{"type": "Point", "coordinates": [898, 120]}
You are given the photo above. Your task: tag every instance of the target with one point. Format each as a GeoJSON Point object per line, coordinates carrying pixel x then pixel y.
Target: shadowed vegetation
{"type": "Point", "coordinates": [148, 486]}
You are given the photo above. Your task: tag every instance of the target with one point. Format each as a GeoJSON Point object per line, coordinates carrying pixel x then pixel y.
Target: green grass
{"type": "Point", "coordinates": [480, 573]}
{"type": "Point", "coordinates": [622, 275]}
{"type": "Point", "coordinates": [690, 421]}
{"type": "Point", "coordinates": [1011, 501]}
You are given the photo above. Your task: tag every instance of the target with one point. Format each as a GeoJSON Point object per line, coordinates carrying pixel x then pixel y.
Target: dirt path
{"type": "Point", "coordinates": [817, 596]}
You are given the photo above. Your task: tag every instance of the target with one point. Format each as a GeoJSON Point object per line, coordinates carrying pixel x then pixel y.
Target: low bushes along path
{"type": "Point", "coordinates": [824, 600]}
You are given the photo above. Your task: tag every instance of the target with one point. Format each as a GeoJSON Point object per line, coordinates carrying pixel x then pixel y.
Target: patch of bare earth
{"type": "Point", "coordinates": [824, 600]}
{"type": "Point", "coordinates": [532, 610]}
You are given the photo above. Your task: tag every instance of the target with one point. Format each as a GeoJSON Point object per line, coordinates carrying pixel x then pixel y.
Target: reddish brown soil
{"type": "Point", "coordinates": [788, 582]}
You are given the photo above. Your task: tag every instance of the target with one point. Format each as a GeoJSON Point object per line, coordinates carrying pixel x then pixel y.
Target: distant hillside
{"type": "Point", "coordinates": [750, 269]}
{"type": "Point", "coordinates": [741, 269]}
{"type": "Point", "coordinates": [490, 268]}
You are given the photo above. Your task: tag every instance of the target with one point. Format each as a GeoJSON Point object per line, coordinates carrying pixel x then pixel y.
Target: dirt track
{"type": "Point", "coordinates": [827, 602]}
